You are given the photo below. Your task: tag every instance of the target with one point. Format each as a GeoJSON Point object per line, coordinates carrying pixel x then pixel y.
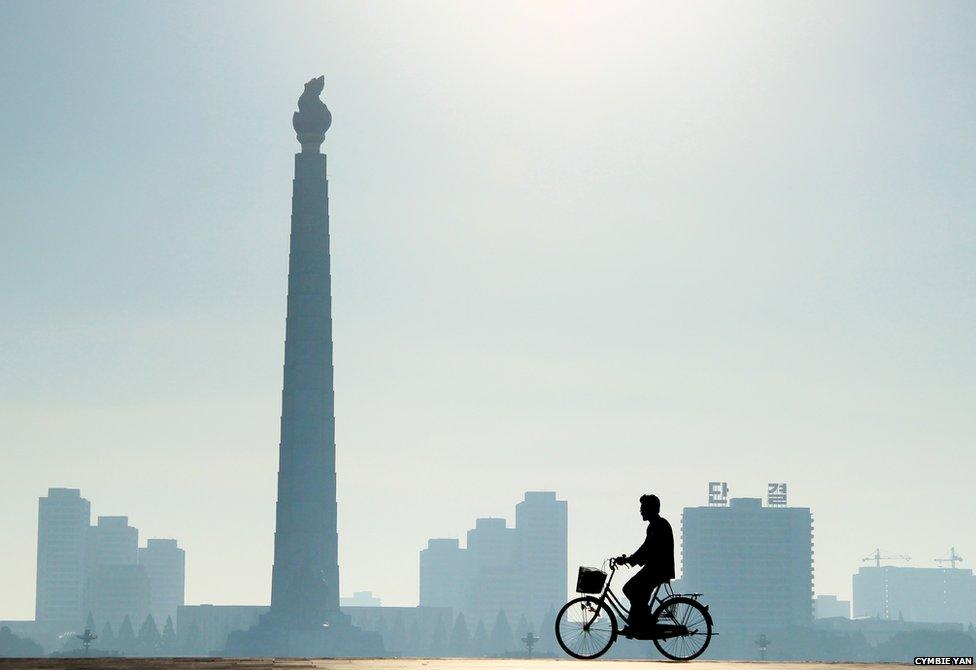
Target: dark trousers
{"type": "Point", "coordinates": [638, 590]}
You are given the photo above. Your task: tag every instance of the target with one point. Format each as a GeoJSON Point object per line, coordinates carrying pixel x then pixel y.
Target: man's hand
{"type": "Point", "coordinates": [621, 560]}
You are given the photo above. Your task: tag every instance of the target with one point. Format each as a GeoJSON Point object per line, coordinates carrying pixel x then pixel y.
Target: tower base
{"type": "Point", "coordinates": [339, 640]}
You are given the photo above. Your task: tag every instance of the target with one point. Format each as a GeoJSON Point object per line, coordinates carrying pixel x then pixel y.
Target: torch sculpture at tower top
{"type": "Point", "coordinates": [304, 619]}
{"type": "Point", "coordinates": [313, 118]}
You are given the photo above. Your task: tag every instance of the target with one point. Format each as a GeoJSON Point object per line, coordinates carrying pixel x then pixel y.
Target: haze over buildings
{"type": "Point", "coordinates": [935, 595]}
{"type": "Point", "coordinates": [520, 571]}
{"type": "Point", "coordinates": [579, 247]}
{"type": "Point", "coordinates": [830, 606]}
{"type": "Point", "coordinates": [750, 559]}
{"type": "Point", "coordinates": [62, 542]}
{"type": "Point", "coordinates": [99, 570]}
{"type": "Point", "coordinates": [755, 562]}
{"type": "Point", "coordinates": [165, 566]}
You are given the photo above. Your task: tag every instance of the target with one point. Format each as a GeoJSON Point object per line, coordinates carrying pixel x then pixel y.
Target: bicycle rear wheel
{"type": "Point", "coordinates": [693, 621]}
{"type": "Point", "coordinates": [586, 628]}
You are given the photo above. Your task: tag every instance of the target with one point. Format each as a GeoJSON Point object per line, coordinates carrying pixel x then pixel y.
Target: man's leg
{"type": "Point", "coordinates": [638, 591]}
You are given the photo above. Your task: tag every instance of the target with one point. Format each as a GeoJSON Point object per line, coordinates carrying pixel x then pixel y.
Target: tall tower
{"type": "Point", "coordinates": [305, 577]}
{"type": "Point", "coordinates": [304, 619]}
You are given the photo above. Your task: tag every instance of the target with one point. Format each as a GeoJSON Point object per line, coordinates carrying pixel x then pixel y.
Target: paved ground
{"type": "Point", "coordinates": [399, 664]}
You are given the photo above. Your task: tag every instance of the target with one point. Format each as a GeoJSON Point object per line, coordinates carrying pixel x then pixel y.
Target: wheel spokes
{"type": "Point", "coordinates": [694, 629]}
{"type": "Point", "coordinates": [585, 629]}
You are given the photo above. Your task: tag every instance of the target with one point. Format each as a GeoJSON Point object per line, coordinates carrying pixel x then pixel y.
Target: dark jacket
{"type": "Point", "coordinates": [657, 552]}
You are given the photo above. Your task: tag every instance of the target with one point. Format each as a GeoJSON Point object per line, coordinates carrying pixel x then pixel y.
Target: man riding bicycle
{"type": "Point", "coordinates": [679, 626]}
{"type": "Point", "coordinates": [656, 556]}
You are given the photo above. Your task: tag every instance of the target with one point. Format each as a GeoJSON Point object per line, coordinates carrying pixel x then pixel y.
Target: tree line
{"type": "Point", "coordinates": [411, 636]}
{"type": "Point", "coordinates": [127, 641]}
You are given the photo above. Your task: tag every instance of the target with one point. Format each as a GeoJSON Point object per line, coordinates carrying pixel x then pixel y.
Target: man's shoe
{"type": "Point", "coordinates": [631, 633]}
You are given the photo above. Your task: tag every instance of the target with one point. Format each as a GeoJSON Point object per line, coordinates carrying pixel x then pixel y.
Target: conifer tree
{"type": "Point", "coordinates": [479, 641]}
{"type": "Point", "coordinates": [502, 641]}
{"type": "Point", "coordinates": [90, 622]}
{"type": "Point", "coordinates": [547, 631]}
{"type": "Point", "coordinates": [460, 637]}
{"type": "Point", "coordinates": [106, 640]}
{"type": "Point", "coordinates": [167, 645]}
{"type": "Point", "coordinates": [126, 640]}
{"type": "Point", "coordinates": [148, 640]}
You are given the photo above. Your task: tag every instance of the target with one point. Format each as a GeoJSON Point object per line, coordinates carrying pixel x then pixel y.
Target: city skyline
{"type": "Point", "coordinates": [717, 497]}
{"type": "Point", "coordinates": [556, 268]}
{"type": "Point", "coordinates": [98, 571]}
{"type": "Point", "coordinates": [753, 558]}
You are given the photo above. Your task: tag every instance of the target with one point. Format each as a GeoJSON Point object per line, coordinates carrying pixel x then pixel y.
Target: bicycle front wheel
{"type": "Point", "coordinates": [586, 628]}
{"type": "Point", "coordinates": [693, 626]}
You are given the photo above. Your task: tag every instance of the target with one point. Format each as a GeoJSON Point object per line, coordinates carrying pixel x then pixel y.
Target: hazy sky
{"type": "Point", "coordinates": [598, 248]}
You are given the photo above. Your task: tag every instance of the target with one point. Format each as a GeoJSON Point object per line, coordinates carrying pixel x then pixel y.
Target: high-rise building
{"type": "Point", "coordinates": [496, 579]}
{"type": "Point", "coordinates": [62, 533]}
{"type": "Point", "coordinates": [491, 543]}
{"type": "Point", "coordinates": [932, 595]}
{"type": "Point", "coordinates": [165, 565]}
{"type": "Point", "coordinates": [118, 591]}
{"type": "Point", "coordinates": [542, 525]}
{"type": "Point", "coordinates": [753, 563]}
{"type": "Point", "coordinates": [116, 585]}
{"type": "Point", "coordinates": [520, 570]}
{"type": "Point", "coordinates": [443, 573]}
{"type": "Point", "coordinates": [100, 569]}
{"type": "Point", "coordinates": [112, 541]}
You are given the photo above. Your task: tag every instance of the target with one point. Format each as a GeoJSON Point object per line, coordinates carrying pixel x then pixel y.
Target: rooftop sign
{"type": "Point", "coordinates": [718, 493]}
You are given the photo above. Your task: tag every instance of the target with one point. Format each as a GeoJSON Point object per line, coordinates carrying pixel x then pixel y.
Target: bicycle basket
{"type": "Point", "coordinates": [590, 580]}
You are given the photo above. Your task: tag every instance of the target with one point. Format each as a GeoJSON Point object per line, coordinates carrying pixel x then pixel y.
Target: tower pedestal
{"type": "Point", "coordinates": [342, 640]}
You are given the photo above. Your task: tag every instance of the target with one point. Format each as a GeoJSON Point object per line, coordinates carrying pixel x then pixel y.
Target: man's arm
{"type": "Point", "coordinates": [639, 556]}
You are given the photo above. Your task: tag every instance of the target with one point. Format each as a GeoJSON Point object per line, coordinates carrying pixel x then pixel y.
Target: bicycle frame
{"type": "Point", "coordinates": [610, 598]}
{"type": "Point", "coordinates": [672, 615]}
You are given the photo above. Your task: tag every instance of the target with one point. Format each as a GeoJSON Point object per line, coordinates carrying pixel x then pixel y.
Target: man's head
{"type": "Point", "coordinates": [650, 506]}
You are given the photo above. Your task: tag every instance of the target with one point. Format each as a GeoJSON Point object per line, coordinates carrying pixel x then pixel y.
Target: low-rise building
{"type": "Point", "coordinates": [826, 607]}
{"type": "Point", "coordinates": [935, 595]}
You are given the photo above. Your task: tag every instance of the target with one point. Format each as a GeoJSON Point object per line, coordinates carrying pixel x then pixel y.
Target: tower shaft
{"type": "Point", "coordinates": [305, 578]}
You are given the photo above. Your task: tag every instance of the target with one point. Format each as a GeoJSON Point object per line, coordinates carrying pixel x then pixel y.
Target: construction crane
{"type": "Point", "coordinates": [877, 558]}
{"type": "Point", "coordinates": [952, 560]}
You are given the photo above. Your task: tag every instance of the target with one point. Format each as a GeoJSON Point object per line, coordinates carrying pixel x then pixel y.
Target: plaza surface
{"type": "Point", "coordinates": [399, 664]}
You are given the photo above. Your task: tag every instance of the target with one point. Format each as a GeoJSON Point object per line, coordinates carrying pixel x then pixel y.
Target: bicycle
{"type": "Point", "coordinates": [586, 627]}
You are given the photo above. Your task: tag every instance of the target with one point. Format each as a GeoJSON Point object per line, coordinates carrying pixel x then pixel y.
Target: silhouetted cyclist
{"type": "Point", "coordinates": [656, 556]}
